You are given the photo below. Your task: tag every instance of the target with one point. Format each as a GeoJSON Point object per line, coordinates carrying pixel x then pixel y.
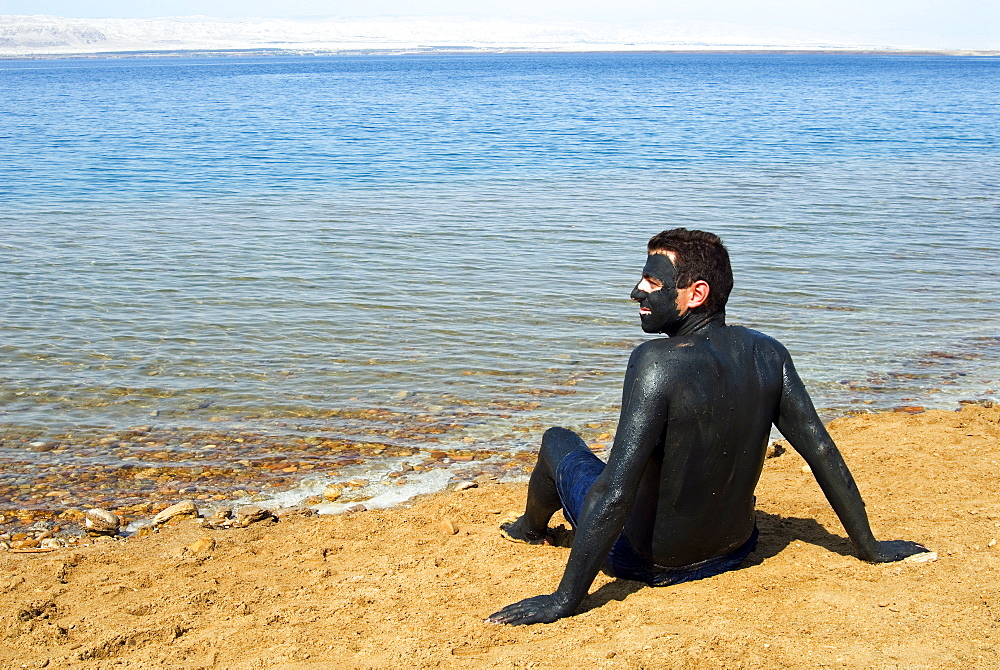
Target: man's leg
{"type": "Point", "coordinates": [543, 495]}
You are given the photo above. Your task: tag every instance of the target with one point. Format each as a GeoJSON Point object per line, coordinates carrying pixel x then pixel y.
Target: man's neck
{"type": "Point", "coordinates": [696, 322]}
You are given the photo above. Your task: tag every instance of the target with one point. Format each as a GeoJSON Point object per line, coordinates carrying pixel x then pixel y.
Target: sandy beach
{"type": "Point", "coordinates": [398, 589]}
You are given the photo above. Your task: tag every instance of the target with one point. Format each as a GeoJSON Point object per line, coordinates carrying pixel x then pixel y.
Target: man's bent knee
{"type": "Point", "coordinates": [558, 433]}
{"type": "Point", "coordinates": [557, 442]}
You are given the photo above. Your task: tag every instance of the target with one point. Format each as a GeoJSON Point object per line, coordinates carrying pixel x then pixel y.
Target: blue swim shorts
{"type": "Point", "coordinates": [576, 473]}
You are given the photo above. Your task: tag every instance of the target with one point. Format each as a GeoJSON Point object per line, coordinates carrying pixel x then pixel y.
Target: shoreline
{"type": "Point", "coordinates": [142, 470]}
{"type": "Point", "coordinates": [137, 472]}
{"type": "Point", "coordinates": [411, 585]}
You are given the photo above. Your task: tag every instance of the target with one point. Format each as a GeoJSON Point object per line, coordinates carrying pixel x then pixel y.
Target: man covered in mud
{"type": "Point", "coordinates": [675, 500]}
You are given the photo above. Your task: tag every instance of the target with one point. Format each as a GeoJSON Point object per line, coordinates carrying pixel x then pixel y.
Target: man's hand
{"type": "Point", "coordinates": [894, 550]}
{"type": "Point", "coordinates": [540, 609]}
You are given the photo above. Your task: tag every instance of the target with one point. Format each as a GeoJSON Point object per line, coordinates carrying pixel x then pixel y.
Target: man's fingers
{"type": "Point", "coordinates": [512, 614]}
{"type": "Point", "coordinates": [507, 614]}
{"type": "Point", "coordinates": [526, 611]}
{"type": "Point", "coordinates": [896, 550]}
{"type": "Point", "coordinates": [906, 547]}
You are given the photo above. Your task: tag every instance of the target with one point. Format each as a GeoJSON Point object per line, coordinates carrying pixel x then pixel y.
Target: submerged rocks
{"type": "Point", "coordinates": [101, 522]}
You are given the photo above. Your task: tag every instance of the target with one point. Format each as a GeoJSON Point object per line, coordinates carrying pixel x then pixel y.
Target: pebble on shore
{"type": "Point", "coordinates": [182, 510]}
{"type": "Point", "coordinates": [200, 547]}
{"type": "Point", "coordinates": [252, 514]}
{"type": "Point", "coordinates": [102, 525]}
{"type": "Point", "coordinates": [102, 522]}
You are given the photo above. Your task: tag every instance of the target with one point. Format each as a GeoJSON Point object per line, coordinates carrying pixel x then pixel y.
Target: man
{"type": "Point", "coordinates": [675, 501]}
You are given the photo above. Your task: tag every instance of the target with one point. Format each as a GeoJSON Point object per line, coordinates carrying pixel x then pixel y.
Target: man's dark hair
{"type": "Point", "coordinates": [700, 255]}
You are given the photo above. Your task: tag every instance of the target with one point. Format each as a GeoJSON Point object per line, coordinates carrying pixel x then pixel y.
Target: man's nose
{"type": "Point", "coordinates": [644, 287]}
{"type": "Point", "coordinates": [638, 294]}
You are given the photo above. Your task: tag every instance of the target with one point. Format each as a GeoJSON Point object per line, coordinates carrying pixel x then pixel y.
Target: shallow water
{"type": "Point", "coordinates": [417, 254]}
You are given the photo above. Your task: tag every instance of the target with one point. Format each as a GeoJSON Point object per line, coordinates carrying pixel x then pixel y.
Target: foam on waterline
{"type": "Point", "coordinates": [392, 495]}
{"type": "Point", "coordinates": [377, 494]}
{"type": "Point", "coordinates": [381, 491]}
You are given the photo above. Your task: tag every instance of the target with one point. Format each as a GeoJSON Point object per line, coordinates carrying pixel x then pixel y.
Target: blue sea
{"type": "Point", "coordinates": [324, 266]}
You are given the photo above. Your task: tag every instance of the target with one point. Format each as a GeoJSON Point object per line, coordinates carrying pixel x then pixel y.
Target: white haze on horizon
{"type": "Point", "coordinates": [914, 24]}
{"type": "Point", "coordinates": [50, 35]}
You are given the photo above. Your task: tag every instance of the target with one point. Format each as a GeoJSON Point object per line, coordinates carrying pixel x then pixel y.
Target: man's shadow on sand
{"type": "Point", "coordinates": [776, 533]}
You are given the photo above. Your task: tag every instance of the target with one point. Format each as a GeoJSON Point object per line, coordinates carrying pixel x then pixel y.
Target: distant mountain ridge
{"type": "Point", "coordinates": [50, 35]}
{"type": "Point", "coordinates": [41, 34]}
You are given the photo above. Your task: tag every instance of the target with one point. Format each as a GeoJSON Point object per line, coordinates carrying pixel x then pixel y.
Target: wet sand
{"type": "Point", "coordinates": [397, 588]}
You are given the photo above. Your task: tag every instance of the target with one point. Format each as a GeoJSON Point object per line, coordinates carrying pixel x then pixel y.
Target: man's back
{"type": "Point", "coordinates": [674, 502]}
{"type": "Point", "coordinates": [721, 388]}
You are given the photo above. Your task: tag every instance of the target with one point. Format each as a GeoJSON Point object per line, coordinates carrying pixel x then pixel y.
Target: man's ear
{"type": "Point", "coordinates": [699, 294]}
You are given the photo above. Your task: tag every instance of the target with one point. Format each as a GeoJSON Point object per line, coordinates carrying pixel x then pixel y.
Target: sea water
{"type": "Point", "coordinates": [435, 252]}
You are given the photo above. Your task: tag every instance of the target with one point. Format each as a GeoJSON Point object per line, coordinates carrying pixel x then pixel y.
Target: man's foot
{"type": "Point", "coordinates": [515, 532]}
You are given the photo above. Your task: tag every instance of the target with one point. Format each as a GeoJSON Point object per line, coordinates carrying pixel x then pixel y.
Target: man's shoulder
{"type": "Point", "coordinates": [690, 347]}
{"type": "Point", "coordinates": [660, 346]}
{"type": "Point", "coordinates": [755, 335]}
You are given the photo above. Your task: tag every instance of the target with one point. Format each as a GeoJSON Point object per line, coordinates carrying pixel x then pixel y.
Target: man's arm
{"type": "Point", "coordinates": [798, 422]}
{"type": "Point", "coordinates": [609, 501]}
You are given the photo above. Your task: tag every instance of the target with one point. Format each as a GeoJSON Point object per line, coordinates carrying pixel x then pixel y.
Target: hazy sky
{"type": "Point", "coordinates": [971, 24]}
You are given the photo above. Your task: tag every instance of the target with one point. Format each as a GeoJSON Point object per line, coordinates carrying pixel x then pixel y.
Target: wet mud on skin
{"type": "Point", "coordinates": [662, 304]}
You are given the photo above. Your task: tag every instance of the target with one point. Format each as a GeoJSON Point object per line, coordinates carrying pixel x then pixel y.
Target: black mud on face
{"type": "Point", "coordinates": [663, 316]}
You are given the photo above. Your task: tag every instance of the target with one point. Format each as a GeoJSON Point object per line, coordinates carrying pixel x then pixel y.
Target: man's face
{"type": "Point", "coordinates": [656, 294]}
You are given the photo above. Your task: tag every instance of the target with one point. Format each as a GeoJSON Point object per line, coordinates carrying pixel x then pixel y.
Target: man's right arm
{"type": "Point", "coordinates": [609, 500]}
{"type": "Point", "coordinates": [798, 422]}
